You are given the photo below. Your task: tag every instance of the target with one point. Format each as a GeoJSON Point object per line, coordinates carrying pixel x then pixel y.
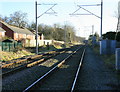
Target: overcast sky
{"type": "Point", "coordinates": [83, 24]}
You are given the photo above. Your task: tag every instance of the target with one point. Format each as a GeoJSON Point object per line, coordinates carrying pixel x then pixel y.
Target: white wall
{"type": "Point", "coordinates": [32, 43]}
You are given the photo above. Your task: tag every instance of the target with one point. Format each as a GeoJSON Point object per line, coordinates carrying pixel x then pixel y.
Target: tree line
{"type": "Point", "coordinates": [112, 36]}
{"type": "Point", "coordinates": [55, 32]}
{"type": "Point", "coordinates": [107, 36]}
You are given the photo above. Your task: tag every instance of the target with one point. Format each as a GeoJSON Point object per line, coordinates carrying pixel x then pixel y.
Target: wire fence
{"type": "Point", "coordinates": [8, 46]}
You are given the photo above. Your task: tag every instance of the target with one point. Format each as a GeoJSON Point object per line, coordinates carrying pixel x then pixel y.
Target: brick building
{"type": "Point", "coordinates": [15, 33]}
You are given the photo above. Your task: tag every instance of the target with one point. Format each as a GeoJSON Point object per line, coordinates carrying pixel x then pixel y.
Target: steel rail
{"type": "Point", "coordinates": [32, 58]}
{"type": "Point", "coordinates": [79, 67]}
{"type": "Point", "coordinates": [29, 58]}
{"type": "Point", "coordinates": [46, 74]}
{"type": "Point", "coordinates": [24, 59]}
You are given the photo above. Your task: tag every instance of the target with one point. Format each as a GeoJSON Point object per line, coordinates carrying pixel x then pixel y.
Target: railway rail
{"type": "Point", "coordinates": [8, 69]}
{"type": "Point", "coordinates": [48, 74]}
{"type": "Point", "coordinates": [28, 62]}
{"type": "Point", "coordinates": [9, 65]}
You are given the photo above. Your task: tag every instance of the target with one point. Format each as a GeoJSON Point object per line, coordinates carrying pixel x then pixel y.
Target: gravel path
{"type": "Point", "coordinates": [95, 75]}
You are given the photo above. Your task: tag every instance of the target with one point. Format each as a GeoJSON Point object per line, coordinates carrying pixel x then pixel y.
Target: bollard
{"type": "Point", "coordinates": [117, 59]}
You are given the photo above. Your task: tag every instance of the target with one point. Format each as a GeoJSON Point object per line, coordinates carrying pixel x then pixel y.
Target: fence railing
{"type": "Point", "coordinates": [8, 46]}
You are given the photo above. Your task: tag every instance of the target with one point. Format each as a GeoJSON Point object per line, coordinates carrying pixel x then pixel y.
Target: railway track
{"type": "Point", "coordinates": [63, 76]}
{"type": "Point", "coordinates": [8, 69]}
{"type": "Point", "coordinates": [27, 62]}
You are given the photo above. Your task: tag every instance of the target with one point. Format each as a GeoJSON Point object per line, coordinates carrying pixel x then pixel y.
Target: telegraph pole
{"type": "Point", "coordinates": [101, 18]}
{"type": "Point", "coordinates": [65, 29]}
{"type": "Point", "coordinates": [36, 28]}
{"type": "Point", "coordinates": [36, 17]}
{"type": "Point", "coordinates": [92, 29]}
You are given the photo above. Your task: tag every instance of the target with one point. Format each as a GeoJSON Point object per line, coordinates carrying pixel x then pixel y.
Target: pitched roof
{"type": "Point", "coordinates": [18, 30]}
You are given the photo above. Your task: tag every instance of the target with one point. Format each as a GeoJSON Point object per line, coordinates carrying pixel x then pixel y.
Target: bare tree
{"type": "Point", "coordinates": [5, 19]}
{"type": "Point", "coordinates": [19, 19]}
{"type": "Point", "coordinates": [118, 16]}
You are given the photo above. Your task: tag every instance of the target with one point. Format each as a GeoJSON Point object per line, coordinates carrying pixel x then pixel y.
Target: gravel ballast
{"type": "Point", "coordinates": [62, 78]}
{"type": "Point", "coordinates": [22, 79]}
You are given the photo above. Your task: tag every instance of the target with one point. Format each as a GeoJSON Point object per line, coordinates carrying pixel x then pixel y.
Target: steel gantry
{"type": "Point", "coordinates": [36, 17]}
{"type": "Point", "coordinates": [91, 13]}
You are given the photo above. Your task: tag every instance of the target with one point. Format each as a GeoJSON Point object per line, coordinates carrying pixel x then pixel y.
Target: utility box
{"type": "Point", "coordinates": [117, 65]}
{"type": "Point", "coordinates": [107, 46]}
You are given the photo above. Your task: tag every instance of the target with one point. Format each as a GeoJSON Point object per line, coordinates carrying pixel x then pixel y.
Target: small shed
{"type": "Point", "coordinates": [10, 45]}
{"type": "Point", "coordinates": [9, 40]}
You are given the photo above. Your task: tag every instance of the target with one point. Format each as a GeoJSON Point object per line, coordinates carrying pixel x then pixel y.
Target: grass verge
{"type": "Point", "coordinates": [109, 60]}
{"type": "Point", "coordinates": [8, 56]}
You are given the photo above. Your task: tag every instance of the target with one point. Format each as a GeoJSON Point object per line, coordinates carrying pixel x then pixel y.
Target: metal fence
{"type": "Point", "coordinates": [8, 46]}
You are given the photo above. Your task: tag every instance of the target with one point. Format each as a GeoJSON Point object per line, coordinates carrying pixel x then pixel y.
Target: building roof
{"type": "Point", "coordinates": [2, 30]}
{"type": "Point", "coordinates": [18, 30]}
{"type": "Point", "coordinates": [9, 40]}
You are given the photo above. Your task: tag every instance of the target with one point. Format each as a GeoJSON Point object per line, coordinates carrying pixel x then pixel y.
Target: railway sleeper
{"type": "Point", "coordinates": [7, 65]}
{"type": "Point", "coordinates": [34, 63]}
{"type": "Point", "coordinates": [13, 64]}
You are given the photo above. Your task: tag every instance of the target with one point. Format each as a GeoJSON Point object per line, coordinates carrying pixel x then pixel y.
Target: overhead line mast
{"type": "Point", "coordinates": [91, 13]}
{"type": "Point", "coordinates": [36, 17]}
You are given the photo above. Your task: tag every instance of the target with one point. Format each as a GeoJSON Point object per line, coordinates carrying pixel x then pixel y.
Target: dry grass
{"type": "Point", "coordinates": [7, 56]}
{"type": "Point", "coordinates": [108, 59]}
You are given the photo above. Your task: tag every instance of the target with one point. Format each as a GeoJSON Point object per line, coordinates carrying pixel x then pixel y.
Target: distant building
{"type": "Point", "coordinates": [21, 34]}
{"type": "Point", "coordinates": [15, 33]}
